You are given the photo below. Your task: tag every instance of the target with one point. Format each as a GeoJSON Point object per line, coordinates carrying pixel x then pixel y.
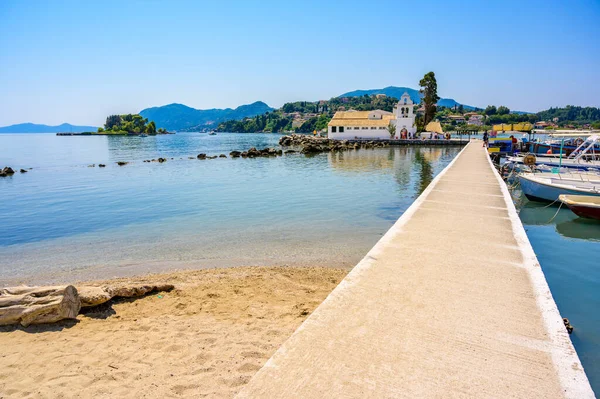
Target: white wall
{"type": "Point", "coordinates": [360, 133]}
{"type": "Point", "coordinates": [405, 123]}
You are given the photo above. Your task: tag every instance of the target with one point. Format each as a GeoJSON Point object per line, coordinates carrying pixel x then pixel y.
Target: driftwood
{"type": "Point", "coordinates": [36, 305]}
{"type": "Point", "coordinates": [94, 296]}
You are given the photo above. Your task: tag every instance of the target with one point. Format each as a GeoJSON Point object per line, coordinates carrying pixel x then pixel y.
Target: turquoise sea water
{"type": "Point", "coordinates": [65, 221]}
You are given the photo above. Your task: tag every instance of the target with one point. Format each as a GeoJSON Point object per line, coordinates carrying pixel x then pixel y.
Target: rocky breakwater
{"type": "Point", "coordinates": [254, 153]}
{"type": "Point", "coordinates": [314, 145]}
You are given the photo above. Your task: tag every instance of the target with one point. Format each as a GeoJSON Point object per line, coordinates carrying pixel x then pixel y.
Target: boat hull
{"type": "Point", "coordinates": [583, 205]}
{"type": "Point", "coordinates": [585, 211]}
{"type": "Point", "coordinates": [540, 192]}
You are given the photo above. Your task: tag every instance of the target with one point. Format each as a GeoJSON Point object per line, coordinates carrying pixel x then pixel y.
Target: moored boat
{"type": "Point", "coordinates": [586, 206]}
{"type": "Point", "coordinates": [548, 186]}
{"type": "Point", "coordinates": [583, 157]}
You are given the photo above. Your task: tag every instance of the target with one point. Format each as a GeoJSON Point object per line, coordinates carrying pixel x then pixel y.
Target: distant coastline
{"type": "Point", "coordinates": [111, 134]}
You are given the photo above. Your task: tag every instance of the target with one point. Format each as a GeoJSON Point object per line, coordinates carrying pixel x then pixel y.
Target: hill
{"type": "Point", "coordinates": [181, 117]}
{"type": "Point", "coordinates": [37, 128]}
{"type": "Point", "coordinates": [397, 92]}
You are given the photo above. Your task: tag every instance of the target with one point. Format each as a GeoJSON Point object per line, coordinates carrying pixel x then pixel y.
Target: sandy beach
{"type": "Point", "coordinates": [206, 338]}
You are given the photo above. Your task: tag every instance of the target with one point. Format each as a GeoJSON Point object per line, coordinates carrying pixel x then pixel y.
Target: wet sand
{"type": "Point", "coordinates": [206, 338]}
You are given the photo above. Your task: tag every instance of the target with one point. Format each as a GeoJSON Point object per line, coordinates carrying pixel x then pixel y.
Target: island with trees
{"type": "Point", "coordinates": [123, 125]}
{"type": "Point", "coordinates": [129, 124]}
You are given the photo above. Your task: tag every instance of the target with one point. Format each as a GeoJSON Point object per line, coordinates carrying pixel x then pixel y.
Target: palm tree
{"type": "Point", "coordinates": [392, 130]}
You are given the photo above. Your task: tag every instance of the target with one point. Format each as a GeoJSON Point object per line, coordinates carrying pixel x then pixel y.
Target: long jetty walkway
{"type": "Point", "coordinates": [450, 303]}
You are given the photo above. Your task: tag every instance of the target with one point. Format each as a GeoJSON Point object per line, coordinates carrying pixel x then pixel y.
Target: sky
{"type": "Point", "coordinates": [79, 61]}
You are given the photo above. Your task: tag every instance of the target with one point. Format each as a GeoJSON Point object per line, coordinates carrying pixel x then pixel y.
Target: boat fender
{"type": "Point", "coordinates": [529, 160]}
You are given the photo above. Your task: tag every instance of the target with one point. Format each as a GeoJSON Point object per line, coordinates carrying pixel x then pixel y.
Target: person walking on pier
{"type": "Point", "coordinates": [485, 139]}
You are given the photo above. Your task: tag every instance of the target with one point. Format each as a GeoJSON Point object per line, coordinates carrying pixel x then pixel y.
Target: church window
{"type": "Point", "coordinates": [333, 129]}
{"type": "Point", "coordinates": [341, 129]}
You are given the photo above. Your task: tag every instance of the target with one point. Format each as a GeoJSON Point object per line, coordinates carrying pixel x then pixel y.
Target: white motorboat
{"type": "Point", "coordinates": [583, 157]}
{"type": "Point", "coordinates": [548, 186]}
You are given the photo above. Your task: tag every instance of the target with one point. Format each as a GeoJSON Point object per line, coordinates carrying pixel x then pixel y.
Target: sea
{"type": "Point", "coordinates": [66, 219]}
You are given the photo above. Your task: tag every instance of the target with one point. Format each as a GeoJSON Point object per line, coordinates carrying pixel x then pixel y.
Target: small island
{"type": "Point", "coordinates": [124, 125]}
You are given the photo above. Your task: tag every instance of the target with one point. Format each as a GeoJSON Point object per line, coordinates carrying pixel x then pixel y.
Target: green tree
{"type": "Point", "coordinates": [429, 96]}
{"type": "Point", "coordinates": [461, 109]}
{"type": "Point", "coordinates": [151, 128]}
{"type": "Point", "coordinates": [392, 130]}
{"type": "Point", "coordinates": [502, 110]}
{"type": "Point", "coordinates": [490, 110]}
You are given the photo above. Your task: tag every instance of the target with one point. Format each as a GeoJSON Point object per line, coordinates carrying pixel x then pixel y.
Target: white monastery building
{"type": "Point", "coordinates": [348, 125]}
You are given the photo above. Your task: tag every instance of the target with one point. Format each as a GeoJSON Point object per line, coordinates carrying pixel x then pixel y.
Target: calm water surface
{"type": "Point", "coordinates": [568, 248]}
{"type": "Point", "coordinates": [66, 221]}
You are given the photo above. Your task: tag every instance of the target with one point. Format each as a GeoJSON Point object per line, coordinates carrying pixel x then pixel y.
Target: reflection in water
{"type": "Point", "coordinates": [426, 172]}
{"type": "Point", "coordinates": [565, 222]}
{"type": "Point", "coordinates": [585, 229]}
{"type": "Point", "coordinates": [407, 163]}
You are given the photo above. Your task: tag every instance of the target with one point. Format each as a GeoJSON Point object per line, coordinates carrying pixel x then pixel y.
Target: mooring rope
{"type": "Point", "coordinates": [558, 210]}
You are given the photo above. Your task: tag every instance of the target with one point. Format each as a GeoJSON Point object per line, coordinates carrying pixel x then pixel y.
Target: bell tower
{"type": "Point", "coordinates": [405, 114]}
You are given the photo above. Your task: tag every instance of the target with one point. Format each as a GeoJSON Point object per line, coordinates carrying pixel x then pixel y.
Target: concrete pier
{"type": "Point", "coordinates": [451, 302]}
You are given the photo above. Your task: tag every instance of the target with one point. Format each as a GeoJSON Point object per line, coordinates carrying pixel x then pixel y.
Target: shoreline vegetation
{"type": "Point", "coordinates": [307, 117]}
{"type": "Point", "coordinates": [206, 337]}
{"type": "Point", "coordinates": [123, 125]}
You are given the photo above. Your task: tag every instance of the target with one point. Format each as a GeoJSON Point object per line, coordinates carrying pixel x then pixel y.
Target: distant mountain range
{"type": "Point", "coordinates": [397, 92]}
{"type": "Point", "coordinates": [181, 117]}
{"type": "Point", "coordinates": [36, 128]}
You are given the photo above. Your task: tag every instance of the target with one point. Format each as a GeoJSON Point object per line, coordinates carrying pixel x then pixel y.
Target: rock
{"type": "Point", "coordinates": [23, 171]}
{"type": "Point", "coordinates": [161, 160]}
{"type": "Point", "coordinates": [252, 152]}
{"type": "Point", "coordinates": [7, 171]}
{"type": "Point", "coordinates": [92, 165]}
{"type": "Point", "coordinates": [222, 156]}
{"type": "Point", "coordinates": [235, 154]}
{"type": "Point", "coordinates": [212, 157]}
{"type": "Point", "coordinates": [201, 156]}
{"type": "Point", "coordinates": [191, 158]}
{"type": "Point", "coordinates": [285, 141]}
{"type": "Point", "coordinates": [36, 305]}
{"type": "Point", "coordinates": [122, 163]}
{"type": "Point", "coordinates": [290, 151]}
{"type": "Point", "coordinates": [245, 154]}
{"type": "Point", "coordinates": [310, 149]}
{"type": "Point", "coordinates": [568, 325]}
{"type": "Point", "coordinates": [101, 165]}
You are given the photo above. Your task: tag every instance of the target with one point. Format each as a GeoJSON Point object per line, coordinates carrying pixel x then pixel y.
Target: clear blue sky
{"type": "Point", "coordinates": [78, 61]}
